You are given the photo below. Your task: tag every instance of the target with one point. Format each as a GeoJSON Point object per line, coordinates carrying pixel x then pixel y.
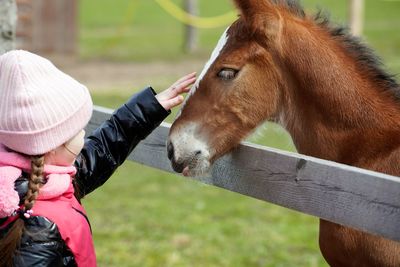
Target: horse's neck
{"type": "Point", "coordinates": [332, 110]}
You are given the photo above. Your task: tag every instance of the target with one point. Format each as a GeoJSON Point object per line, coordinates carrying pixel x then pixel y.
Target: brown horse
{"type": "Point", "coordinates": [328, 90]}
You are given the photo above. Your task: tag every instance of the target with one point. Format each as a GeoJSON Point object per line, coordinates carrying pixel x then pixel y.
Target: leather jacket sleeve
{"type": "Point", "coordinates": [111, 143]}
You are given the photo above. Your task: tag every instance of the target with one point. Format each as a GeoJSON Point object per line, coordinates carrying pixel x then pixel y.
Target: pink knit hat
{"type": "Point", "coordinates": [41, 107]}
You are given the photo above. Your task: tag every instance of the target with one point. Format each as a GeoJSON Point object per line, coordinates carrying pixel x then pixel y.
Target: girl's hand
{"type": "Point", "coordinates": [172, 97]}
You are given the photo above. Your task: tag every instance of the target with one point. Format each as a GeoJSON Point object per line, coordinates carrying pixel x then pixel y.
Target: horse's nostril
{"type": "Point", "coordinates": [197, 153]}
{"type": "Point", "coordinates": [178, 167]}
{"type": "Point", "coordinates": [170, 150]}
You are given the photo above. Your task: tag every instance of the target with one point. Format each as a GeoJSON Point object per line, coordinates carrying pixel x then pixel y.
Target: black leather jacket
{"type": "Point", "coordinates": [105, 149]}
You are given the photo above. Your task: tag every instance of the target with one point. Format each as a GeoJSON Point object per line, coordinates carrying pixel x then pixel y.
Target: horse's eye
{"type": "Point", "coordinates": [227, 74]}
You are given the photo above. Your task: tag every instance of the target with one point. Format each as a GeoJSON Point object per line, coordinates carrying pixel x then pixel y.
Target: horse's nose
{"type": "Point", "coordinates": [170, 150]}
{"type": "Point", "coordinates": [177, 167]}
{"type": "Point", "coordinates": [178, 164]}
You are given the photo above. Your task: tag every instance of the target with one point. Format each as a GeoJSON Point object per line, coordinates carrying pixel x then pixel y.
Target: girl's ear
{"type": "Point", "coordinates": [260, 16]}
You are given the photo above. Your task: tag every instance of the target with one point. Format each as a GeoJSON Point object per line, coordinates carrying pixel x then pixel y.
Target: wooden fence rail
{"type": "Point", "coordinates": [355, 197]}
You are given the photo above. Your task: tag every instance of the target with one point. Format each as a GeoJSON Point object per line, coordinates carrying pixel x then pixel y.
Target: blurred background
{"type": "Point", "coordinates": [146, 217]}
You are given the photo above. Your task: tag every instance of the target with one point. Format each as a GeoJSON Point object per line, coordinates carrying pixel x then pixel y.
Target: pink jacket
{"type": "Point", "coordinates": [70, 217]}
{"type": "Point", "coordinates": [56, 201]}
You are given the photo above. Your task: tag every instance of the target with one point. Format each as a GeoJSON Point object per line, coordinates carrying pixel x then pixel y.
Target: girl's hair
{"type": "Point", "coordinates": [11, 241]}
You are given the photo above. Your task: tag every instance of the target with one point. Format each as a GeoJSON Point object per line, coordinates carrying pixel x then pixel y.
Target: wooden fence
{"type": "Point", "coordinates": [356, 16]}
{"type": "Point", "coordinates": [358, 198]}
{"type": "Point", "coordinates": [8, 21]}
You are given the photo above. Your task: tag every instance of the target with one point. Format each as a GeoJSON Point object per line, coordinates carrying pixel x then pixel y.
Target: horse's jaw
{"type": "Point", "coordinates": [189, 152]}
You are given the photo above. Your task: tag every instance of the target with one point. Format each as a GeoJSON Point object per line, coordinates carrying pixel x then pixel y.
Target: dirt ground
{"type": "Point", "coordinates": [107, 75]}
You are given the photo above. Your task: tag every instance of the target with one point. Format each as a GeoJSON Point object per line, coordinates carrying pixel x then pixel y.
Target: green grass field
{"type": "Point", "coordinates": [145, 217]}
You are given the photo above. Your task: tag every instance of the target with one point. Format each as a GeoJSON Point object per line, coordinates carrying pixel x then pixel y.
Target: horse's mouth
{"type": "Point", "coordinates": [193, 168]}
{"type": "Point", "coordinates": [190, 157]}
{"type": "Point", "coordinates": [186, 172]}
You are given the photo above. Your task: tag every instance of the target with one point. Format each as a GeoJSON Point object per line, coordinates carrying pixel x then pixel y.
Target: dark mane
{"type": "Point", "coordinates": [364, 55]}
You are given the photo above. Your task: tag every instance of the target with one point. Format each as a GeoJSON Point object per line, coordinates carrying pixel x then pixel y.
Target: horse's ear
{"type": "Point", "coordinates": [260, 15]}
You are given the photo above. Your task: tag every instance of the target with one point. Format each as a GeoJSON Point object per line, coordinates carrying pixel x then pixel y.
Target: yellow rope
{"type": "Point", "coordinates": [195, 21]}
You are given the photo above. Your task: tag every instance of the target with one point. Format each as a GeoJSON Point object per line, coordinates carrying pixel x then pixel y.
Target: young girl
{"type": "Point", "coordinates": [46, 166]}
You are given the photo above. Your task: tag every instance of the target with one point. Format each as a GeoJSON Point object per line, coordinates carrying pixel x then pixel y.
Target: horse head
{"type": "Point", "coordinates": [239, 88]}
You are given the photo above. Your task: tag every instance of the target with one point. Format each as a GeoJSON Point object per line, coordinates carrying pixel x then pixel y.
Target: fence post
{"type": "Point", "coordinates": [47, 26]}
{"type": "Point", "coordinates": [8, 22]}
{"type": "Point", "coordinates": [356, 16]}
{"type": "Point", "coordinates": [190, 44]}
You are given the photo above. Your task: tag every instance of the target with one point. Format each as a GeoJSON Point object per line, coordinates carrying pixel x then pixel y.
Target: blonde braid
{"type": "Point", "coordinates": [35, 180]}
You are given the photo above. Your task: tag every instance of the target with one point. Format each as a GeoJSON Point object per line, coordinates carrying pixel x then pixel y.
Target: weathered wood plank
{"type": "Point", "coordinates": [47, 26]}
{"type": "Point", "coordinates": [356, 16]}
{"type": "Point", "coordinates": [343, 194]}
{"type": "Point", "coordinates": [191, 32]}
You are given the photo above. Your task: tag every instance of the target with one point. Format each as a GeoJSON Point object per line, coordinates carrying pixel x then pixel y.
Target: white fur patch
{"type": "Point", "coordinates": [186, 139]}
{"type": "Point", "coordinates": [186, 143]}
{"type": "Point", "coordinates": [214, 55]}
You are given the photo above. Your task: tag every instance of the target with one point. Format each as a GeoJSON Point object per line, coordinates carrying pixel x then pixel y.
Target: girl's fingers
{"type": "Point", "coordinates": [173, 102]}
{"type": "Point", "coordinates": [186, 77]}
{"type": "Point", "coordinates": [172, 97]}
{"type": "Point", "coordinates": [187, 89]}
{"type": "Point", "coordinates": [183, 85]}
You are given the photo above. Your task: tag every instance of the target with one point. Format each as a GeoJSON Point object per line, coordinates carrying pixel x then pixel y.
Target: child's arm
{"type": "Point", "coordinates": [110, 144]}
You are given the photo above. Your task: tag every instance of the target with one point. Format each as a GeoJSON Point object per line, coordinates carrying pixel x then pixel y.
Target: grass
{"type": "Point", "coordinates": [148, 218]}
{"type": "Point", "coordinates": [145, 217]}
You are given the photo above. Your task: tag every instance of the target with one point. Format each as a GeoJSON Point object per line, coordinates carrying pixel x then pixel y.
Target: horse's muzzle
{"type": "Point", "coordinates": [188, 163]}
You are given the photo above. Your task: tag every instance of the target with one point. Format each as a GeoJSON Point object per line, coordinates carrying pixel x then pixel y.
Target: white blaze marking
{"type": "Point", "coordinates": [214, 55]}
{"type": "Point", "coordinates": [186, 140]}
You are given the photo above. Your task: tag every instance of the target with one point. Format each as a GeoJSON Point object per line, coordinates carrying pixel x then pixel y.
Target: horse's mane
{"type": "Point", "coordinates": [364, 55]}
